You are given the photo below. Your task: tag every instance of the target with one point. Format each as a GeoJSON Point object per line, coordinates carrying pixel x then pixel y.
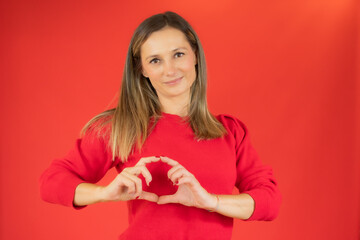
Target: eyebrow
{"type": "Point", "coordinates": [174, 50]}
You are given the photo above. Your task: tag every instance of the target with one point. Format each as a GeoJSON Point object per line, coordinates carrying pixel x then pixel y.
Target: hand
{"type": "Point", "coordinates": [128, 186]}
{"type": "Point", "coordinates": [190, 192]}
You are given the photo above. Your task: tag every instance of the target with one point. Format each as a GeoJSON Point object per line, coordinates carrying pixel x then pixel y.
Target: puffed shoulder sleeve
{"type": "Point", "coordinates": [88, 161]}
{"type": "Point", "coordinates": [253, 177]}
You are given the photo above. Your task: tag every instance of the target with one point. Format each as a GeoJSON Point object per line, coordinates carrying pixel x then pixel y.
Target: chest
{"type": "Point", "coordinates": [212, 162]}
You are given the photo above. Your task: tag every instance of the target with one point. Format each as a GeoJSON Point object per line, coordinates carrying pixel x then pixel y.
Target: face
{"type": "Point", "coordinates": [169, 62]}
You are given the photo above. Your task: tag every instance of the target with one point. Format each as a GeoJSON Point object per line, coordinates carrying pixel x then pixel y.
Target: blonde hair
{"type": "Point", "coordinates": [139, 109]}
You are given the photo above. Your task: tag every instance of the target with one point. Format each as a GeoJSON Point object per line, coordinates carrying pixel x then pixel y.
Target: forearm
{"type": "Point", "coordinates": [88, 193]}
{"type": "Point", "coordinates": [239, 206]}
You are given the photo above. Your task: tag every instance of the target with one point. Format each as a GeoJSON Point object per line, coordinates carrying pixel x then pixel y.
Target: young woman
{"type": "Point", "coordinates": [177, 163]}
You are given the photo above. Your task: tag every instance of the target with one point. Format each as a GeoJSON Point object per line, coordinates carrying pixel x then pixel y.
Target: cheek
{"type": "Point", "coordinates": [153, 73]}
{"type": "Point", "coordinates": [155, 77]}
{"type": "Point", "coordinates": [188, 66]}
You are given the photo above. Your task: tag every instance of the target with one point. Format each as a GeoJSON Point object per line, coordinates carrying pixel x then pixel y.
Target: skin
{"type": "Point", "coordinates": [169, 62]}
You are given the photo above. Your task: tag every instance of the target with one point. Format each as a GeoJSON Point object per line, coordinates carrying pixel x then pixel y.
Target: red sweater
{"type": "Point", "coordinates": [218, 164]}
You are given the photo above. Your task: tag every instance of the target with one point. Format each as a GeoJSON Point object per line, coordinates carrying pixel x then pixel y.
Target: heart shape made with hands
{"type": "Point", "coordinates": [160, 183]}
{"type": "Point", "coordinates": [171, 182]}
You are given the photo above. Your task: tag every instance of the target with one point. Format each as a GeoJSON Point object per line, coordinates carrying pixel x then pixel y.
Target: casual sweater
{"type": "Point", "coordinates": [218, 164]}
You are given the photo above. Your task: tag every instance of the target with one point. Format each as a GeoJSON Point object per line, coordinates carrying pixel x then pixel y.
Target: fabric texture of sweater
{"type": "Point", "coordinates": [218, 164]}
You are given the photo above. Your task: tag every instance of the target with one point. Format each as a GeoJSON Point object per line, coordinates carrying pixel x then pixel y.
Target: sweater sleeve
{"type": "Point", "coordinates": [88, 161]}
{"type": "Point", "coordinates": [253, 177]}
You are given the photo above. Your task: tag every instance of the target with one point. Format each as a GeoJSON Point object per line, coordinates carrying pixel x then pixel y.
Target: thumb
{"type": "Point", "coordinates": [167, 199]}
{"type": "Point", "coordinates": [152, 197]}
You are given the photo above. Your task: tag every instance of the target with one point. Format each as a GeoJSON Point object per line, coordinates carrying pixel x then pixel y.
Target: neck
{"type": "Point", "coordinates": [176, 105]}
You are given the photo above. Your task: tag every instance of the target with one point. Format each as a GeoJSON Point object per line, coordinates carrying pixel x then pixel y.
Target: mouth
{"type": "Point", "coordinates": [175, 81]}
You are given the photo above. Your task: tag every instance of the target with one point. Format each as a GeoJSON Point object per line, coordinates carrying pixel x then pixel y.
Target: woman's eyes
{"type": "Point", "coordinates": [179, 54]}
{"type": "Point", "coordinates": [176, 55]}
{"type": "Point", "coordinates": [155, 60]}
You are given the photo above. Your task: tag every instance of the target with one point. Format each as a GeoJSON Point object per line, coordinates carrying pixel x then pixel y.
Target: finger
{"type": "Point", "coordinates": [169, 161]}
{"type": "Point", "coordinates": [167, 199]}
{"type": "Point", "coordinates": [146, 160]}
{"type": "Point", "coordinates": [173, 169]}
{"type": "Point", "coordinates": [152, 197]}
{"type": "Point", "coordinates": [137, 184]}
{"type": "Point", "coordinates": [187, 180]}
{"type": "Point", "coordinates": [147, 175]}
{"type": "Point", "coordinates": [179, 173]}
{"type": "Point", "coordinates": [140, 170]}
{"type": "Point", "coordinates": [128, 183]}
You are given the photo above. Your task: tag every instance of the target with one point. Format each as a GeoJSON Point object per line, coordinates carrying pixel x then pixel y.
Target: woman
{"type": "Point", "coordinates": [177, 163]}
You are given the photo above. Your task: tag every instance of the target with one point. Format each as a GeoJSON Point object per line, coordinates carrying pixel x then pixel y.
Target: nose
{"type": "Point", "coordinates": [169, 68]}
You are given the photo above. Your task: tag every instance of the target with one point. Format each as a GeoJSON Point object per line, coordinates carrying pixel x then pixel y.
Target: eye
{"type": "Point", "coordinates": [155, 60]}
{"type": "Point", "coordinates": [179, 54]}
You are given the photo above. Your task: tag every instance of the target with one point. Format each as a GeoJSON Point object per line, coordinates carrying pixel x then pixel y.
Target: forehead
{"type": "Point", "coordinates": [163, 41]}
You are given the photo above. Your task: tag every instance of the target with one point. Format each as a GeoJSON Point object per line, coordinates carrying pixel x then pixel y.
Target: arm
{"type": "Point", "coordinates": [254, 178]}
{"type": "Point", "coordinates": [87, 162]}
{"type": "Point", "coordinates": [71, 181]}
{"type": "Point", "coordinates": [88, 193]}
{"type": "Point", "coordinates": [239, 206]}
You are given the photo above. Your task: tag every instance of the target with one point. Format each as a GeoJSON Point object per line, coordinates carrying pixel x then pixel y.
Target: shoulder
{"type": "Point", "coordinates": [233, 125]}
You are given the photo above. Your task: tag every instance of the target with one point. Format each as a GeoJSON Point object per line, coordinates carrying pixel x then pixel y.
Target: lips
{"type": "Point", "coordinates": [175, 81]}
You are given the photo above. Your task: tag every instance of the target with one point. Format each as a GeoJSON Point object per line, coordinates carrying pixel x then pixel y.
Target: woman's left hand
{"type": "Point", "coordinates": [190, 192]}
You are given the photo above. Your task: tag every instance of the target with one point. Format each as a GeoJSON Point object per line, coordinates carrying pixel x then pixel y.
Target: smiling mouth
{"type": "Point", "coordinates": [172, 82]}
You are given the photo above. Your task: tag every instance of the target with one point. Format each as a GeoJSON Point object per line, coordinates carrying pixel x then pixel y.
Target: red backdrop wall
{"type": "Point", "coordinates": [288, 69]}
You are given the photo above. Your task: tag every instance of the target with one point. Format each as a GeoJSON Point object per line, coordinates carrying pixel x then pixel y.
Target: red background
{"type": "Point", "coordinates": [288, 69]}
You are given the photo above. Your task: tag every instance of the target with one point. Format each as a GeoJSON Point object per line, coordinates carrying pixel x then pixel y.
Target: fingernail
{"type": "Point", "coordinates": [137, 197]}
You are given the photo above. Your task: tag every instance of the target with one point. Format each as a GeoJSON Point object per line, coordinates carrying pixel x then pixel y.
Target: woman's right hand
{"type": "Point", "coordinates": [128, 186]}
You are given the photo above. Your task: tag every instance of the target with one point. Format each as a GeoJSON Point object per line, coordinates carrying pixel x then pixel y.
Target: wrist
{"type": "Point", "coordinates": [101, 194]}
{"type": "Point", "coordinates": [88, 193]}
{"type": "Point", "coordinates": [214, 206]}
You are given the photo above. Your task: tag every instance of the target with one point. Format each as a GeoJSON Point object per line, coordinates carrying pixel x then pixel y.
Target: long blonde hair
{"type": "Point", "coordinates": [139, 108]}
